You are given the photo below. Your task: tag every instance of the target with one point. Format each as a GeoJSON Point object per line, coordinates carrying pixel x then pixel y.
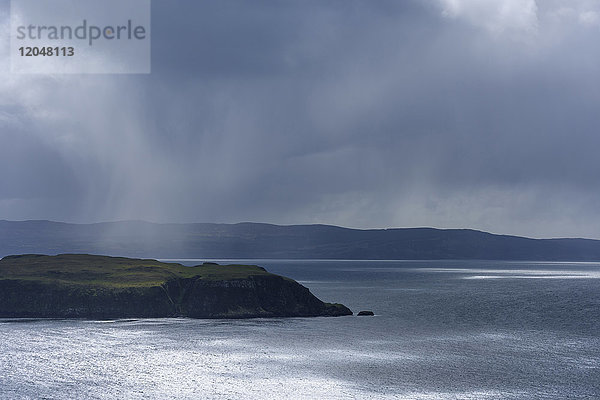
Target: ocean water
{"type": "Point", "coordinates": [442, 330]}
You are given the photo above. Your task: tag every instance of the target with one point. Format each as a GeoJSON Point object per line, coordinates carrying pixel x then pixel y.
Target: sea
{"type": "Point", "coordinates": [441, 330]}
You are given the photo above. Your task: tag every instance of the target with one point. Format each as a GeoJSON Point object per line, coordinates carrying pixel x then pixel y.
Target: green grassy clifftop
{"type": "Point", "coordinates": [90, 286]}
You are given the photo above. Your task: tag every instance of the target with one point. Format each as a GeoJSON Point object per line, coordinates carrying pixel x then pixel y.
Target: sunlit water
{"type": "Point", "coordinates": [442, 330]}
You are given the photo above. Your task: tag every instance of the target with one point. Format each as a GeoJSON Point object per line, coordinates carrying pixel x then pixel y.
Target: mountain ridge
{"type": "Point", "coordinates": [262, 240]}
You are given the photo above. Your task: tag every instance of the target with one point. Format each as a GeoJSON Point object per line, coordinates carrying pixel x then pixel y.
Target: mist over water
{"type": "Point", "coordinates": [441, 331]}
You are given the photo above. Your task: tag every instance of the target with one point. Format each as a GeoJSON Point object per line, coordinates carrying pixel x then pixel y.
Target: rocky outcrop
{"type": "Point", "coordinates": [365, 313]}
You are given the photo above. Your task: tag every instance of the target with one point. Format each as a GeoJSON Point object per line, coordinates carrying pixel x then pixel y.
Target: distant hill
{"type": "Point", "coordinates": [254, 240]}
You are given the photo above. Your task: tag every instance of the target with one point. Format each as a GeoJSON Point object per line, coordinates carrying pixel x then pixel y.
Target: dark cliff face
{"type": "Point", "coordinates": [32, 299]}
{"type": "Point", "coordinates": [255, 296]}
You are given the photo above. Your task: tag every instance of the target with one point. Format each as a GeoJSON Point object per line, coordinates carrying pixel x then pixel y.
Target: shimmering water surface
{"type": "Point", "coordinates": [442, 330]}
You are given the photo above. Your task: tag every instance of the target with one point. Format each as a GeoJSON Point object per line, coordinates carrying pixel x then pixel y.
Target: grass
{"type": "Point", "coordinates": [85, 269]}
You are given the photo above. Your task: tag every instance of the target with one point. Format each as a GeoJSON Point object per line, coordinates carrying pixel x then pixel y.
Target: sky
{"type": "Point", "coordinates": [481, 114]}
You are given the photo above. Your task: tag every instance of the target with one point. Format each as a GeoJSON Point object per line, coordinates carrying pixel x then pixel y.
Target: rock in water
{"type": "Point", "coordinates": [89, 286]}
{"type": "Point", "coordinates": [363, 313]}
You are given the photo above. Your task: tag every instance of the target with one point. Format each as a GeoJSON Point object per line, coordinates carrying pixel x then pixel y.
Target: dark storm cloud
{"type": "Point", "coordinates": [235, 39]}
{"type": "Point", "coordinates": [449, 113]}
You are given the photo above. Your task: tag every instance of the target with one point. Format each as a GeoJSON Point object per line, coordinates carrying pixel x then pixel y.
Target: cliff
{"type": "Point", "coordinates": [88, 286]}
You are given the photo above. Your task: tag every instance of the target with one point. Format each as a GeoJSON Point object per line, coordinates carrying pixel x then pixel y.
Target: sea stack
{"type": "Point", "coordinates": [365, 313]}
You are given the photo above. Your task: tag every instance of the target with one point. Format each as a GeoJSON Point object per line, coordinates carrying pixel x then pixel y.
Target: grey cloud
{"type": "Point", "coordinates": [364, 114]}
